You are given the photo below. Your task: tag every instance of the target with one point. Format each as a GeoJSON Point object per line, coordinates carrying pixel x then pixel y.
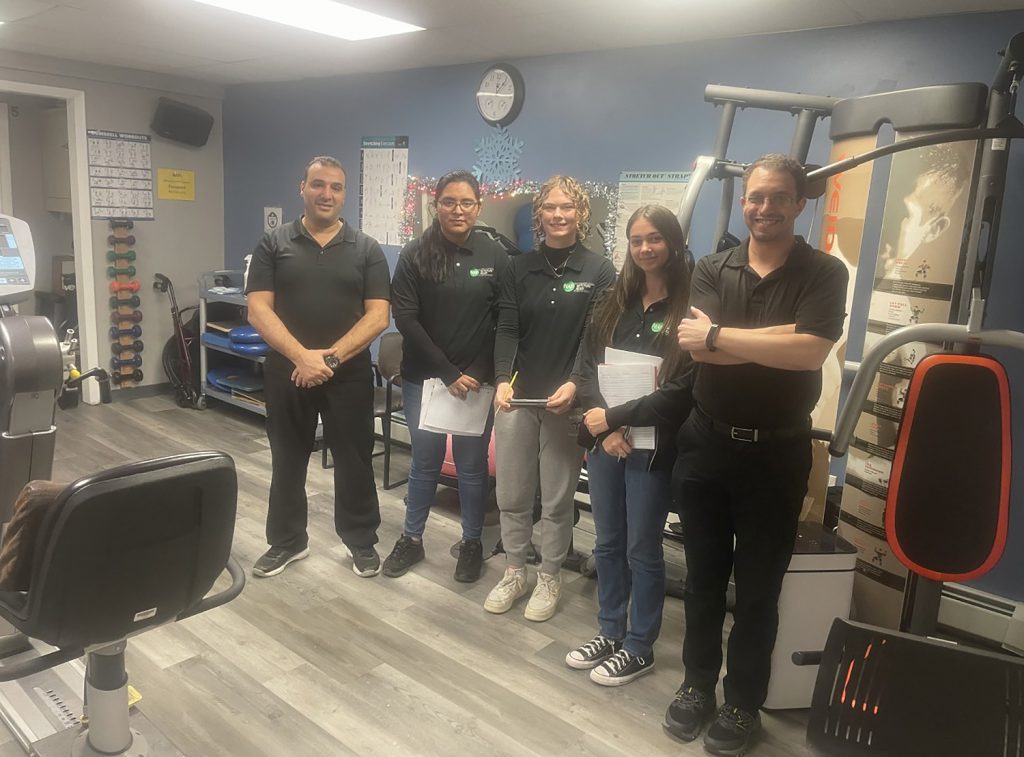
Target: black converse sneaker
{"type": "Point", "coordinates": [407, 552]}
{"type": "Point", "coordinates": [365, 561]}
{"type": "Point", "coordinates": [688, 712]}
{"type": "Point", "coordinates": [592, 653]}
{"type": "Point", "coordinates": [276, 559]}
{"type": "Point", "coordinates": [621, 668]}
{"type": "Point", "coordinates": [730, 734]}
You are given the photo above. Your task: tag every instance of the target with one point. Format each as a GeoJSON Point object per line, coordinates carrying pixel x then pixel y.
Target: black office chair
{"type": "Point", "coordinates": [117, 554]}
{"type": "Point", "coordinates": [387, 400]}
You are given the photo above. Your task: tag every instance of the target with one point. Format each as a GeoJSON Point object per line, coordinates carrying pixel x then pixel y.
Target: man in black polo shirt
{"type": "Point", "coordinates": [765, 315]}
{"type": "Point", "coordinates": [318, 293]}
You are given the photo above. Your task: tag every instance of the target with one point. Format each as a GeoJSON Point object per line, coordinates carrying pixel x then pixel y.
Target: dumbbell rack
{"type": "Point", "coordinates": [125, 316]}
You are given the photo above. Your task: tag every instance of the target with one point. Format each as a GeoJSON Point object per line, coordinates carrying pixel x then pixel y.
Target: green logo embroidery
{"type": "Point", "coordinates": [657, 326]}
{"type": "Point", "coordinates": [474, 272]}
{"type": "Point", "coordinates": [569, 286]}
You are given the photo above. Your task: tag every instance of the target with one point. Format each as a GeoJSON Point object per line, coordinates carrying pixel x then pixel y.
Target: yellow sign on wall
{"type": "Point", "coordinates": [175, 184]}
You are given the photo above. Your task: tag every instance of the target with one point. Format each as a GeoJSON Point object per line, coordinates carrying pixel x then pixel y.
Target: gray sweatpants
{"type": "Point", "coordinates": [534, 446]}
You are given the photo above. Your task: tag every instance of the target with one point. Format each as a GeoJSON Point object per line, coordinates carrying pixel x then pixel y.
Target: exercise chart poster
{"type": "Point", "coordinates": [120, 175]}
{"type": "Point", "coordinates": [383, 179]}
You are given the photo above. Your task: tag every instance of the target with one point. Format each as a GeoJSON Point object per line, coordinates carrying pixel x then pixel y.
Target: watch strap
{"type": "Point", "coordinates": [712, 337]}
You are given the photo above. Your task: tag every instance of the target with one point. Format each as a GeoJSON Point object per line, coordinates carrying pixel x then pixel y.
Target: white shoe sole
{"type": "Point", "coordinates": [539, 616]}
{"type": "Point", "coordinates": [500, 608]}
{"type": "Point", "coordinates": [362, 573]}
{"type": "Point", "coordinates": [583, 664]}
{"type": "Point", "coordinates": [618, 680]}
{"type": "Point", "coordinates": [259, 573]}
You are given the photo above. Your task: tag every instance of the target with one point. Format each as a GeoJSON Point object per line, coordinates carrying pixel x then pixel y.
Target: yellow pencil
{"type": "Point", "coordinates": [508, 392]}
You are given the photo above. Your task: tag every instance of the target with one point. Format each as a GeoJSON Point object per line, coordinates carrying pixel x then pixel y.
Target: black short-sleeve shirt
{"type": "Point", "coordinates": [448, 326]}
{"type": "Point", "coordinates": [541, 317]}
{"type": "Point", "coordinates": [808, 290]}
{"type": "Point", "coordinates": [319, 292]}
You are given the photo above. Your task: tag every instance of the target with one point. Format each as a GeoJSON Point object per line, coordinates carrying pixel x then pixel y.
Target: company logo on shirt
{"type": "Point", "coordinates": [478, 272]}
{"type": "Point", "coordinates": [657, 326]}
{"type": "Point", "coordinates": [579, 287]}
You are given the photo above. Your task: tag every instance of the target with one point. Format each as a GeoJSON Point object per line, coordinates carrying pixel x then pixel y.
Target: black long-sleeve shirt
{"type": "Point", "coordinates": [641, 330]}
{"type": "Point", "coordinates": [542, 311]}
{"type": "Point", "coordinates": [448, 326]}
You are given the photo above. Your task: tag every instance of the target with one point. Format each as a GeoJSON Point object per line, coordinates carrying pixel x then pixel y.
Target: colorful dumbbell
{"type": "Point", "coordinates": [134, 361]}
{"type": "Point", "coordinates": [115, 256]}
{"type": "Point", "coordinates": [117, 348]}
{"type": "Point", "coordinates": [134, 317]}
{"type": "Point", "coordinates": [118, 378]}
{"type": "Point", "coordinates": [130, 302]}
{"type": "Point", "coordinates": [128, 240]}
{"type": "Point", "coordinates": [134, 332]}
{"type": "Point", "coordinates": [124, 286]}
{"type": "Point", "coordinates": [112, 272]}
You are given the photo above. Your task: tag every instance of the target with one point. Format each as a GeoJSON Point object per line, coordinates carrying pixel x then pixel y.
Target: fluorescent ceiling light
{"type": "Point", "coordinates": [321, 16]}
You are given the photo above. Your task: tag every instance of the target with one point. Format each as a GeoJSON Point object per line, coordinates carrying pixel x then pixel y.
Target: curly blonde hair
{"type": "Point", "coordinates": [574, 191]}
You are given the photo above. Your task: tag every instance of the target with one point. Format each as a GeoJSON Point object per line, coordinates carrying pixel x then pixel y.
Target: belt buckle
{"type": "Point", "coordinates": [743, 434]}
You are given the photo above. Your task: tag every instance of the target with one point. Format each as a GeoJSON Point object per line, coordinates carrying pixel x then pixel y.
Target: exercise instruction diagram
{"type": "Point", "coordinates": [383, 172]}
{"type": "Point", "coordinates": [120, 175]}
{"type": "Point", "coordinates": [639, 188]}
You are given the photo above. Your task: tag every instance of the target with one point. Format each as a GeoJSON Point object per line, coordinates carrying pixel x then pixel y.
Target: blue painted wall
{"type": "Point", "coordinates": [593, 115]}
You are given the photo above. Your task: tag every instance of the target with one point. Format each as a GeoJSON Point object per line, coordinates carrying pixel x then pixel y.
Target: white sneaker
{"type": "Point", "coordinates": [545, 597]}
{"type": "Point", "coordinates": [510, 588]}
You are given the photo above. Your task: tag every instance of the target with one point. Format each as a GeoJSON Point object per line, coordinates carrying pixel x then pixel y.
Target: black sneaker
{"type": "Point", "coordinates": [365, 561]}
{"type": "Point", "coordinates": [592, 653]}
{"type": "Point", "coordinates": [688, 712]}
{"type": "Point", "coordinates": [621, 668]}
{"type": "Point", "coordinates": [406, 553]}
{"type": "Point", "coordinates": [276, 559]}
{"type": "Point", "coordinates": [730, 734]}
{"type": "Point", "coordinates": [471, 561]}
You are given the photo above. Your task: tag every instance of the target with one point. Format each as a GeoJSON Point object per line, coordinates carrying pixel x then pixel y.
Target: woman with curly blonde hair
{"type": "Point", "coordinates": [545, 301]}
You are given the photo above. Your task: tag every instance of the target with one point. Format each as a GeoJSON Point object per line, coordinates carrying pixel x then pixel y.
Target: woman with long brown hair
{"type": "Point", "coordinates": [630, 489]}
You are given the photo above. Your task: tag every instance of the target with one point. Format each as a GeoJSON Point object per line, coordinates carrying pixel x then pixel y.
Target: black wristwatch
{"type": "Point", "coordinates": [332, 362]}
{"type": "Point", "coordinates": [709, 342]}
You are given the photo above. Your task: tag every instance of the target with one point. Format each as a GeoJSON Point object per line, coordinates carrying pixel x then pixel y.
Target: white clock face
{"type": "Point", "coordinates": [496, 95]}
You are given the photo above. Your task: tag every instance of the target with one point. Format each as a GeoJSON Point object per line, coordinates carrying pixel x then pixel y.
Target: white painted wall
{"type": "Point", "coordinates": [187, 237]}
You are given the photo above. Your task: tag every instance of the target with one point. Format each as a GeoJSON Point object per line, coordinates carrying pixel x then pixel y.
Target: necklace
{"type": "Point", "coordinates": [560, 270]}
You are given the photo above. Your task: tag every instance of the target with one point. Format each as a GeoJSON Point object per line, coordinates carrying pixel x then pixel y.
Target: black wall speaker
{"type": "Point", "coordinates": [182, 122]}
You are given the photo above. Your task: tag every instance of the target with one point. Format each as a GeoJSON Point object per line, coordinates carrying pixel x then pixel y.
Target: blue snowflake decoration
{"type": "Point", "coordinates": [497, 159]}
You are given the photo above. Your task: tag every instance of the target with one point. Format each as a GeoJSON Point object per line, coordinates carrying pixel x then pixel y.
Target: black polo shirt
{"type": "Point", "coordinates": [319, 291]}
{"type": "Point", "coordinates": [638, 330]}
{"type": "Point", "coordinates": [448, 327]}
{"type": "Point", "coordinates": [809, 290]}
{"type": "Point", "coordinates": [541, 316]}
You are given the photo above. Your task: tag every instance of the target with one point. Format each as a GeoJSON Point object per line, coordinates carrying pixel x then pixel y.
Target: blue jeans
{"type": "Point", "coordinates": [428, 448]}
{"type": "Point", "coordinates": [629, 505]}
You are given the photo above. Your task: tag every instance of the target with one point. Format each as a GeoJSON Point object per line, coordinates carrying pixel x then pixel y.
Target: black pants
{"type": "Point", "coordinates": [740, 504]}
{"type": "Point", "coordinates": [346, 407]}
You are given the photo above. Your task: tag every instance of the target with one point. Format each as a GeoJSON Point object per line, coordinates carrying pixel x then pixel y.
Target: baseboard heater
{"type": "Point", "coordinates": [984, 616]}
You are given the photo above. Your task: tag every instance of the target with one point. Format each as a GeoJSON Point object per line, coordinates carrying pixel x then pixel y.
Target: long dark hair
{"type": "Point", "coordinates": [629, 288]}
{"type": "Point", "coordinates": [431, 260]}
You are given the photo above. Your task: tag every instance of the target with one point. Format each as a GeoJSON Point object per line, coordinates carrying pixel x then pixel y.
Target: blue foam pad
{"type": "Point", "coordinates": [251, 350]}
{"type": "Point", "coordinates": [234, 378]}
{"type": "Point", "coordinates": [245, 335]}
{"type": "Point", "coordinates": [217, 340]}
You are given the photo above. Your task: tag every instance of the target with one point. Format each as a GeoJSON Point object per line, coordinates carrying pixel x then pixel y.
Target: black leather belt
{"type": "Point", "coordinates": [752, 435]}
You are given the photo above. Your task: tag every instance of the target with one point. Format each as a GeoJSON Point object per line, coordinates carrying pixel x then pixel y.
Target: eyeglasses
{"type": "Point", "coordinates": [779, 199]}
{"type": "Point", "coordinates": [449, 203]}
{"type": "Point", "coordinates": [550, 207]}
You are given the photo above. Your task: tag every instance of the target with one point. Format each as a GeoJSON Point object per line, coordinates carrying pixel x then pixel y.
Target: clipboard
{"type": "Point", "coordinates": [517, 402]}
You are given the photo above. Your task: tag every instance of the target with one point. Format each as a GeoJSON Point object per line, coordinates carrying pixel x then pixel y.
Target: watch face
{"type": "Point", "coordinates": [332, 362]}
{"type": "Point", "coordinates": [500, 95]}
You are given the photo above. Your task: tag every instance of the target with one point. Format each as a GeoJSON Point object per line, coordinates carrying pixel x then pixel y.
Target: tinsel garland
{"type": "Point", "coordinates": [425, 185]}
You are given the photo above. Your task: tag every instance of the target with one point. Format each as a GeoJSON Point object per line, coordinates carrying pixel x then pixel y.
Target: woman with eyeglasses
{"type": "Point", "coordinates": [444, 298]}
{"type": "Point", "coordinates": [546, 296]}
{"type": "Point", "coordinates": [630, 488]}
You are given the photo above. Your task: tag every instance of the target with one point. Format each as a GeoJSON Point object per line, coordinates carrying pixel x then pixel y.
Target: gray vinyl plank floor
{"type": "Point", "coordinates": [318, 661]}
